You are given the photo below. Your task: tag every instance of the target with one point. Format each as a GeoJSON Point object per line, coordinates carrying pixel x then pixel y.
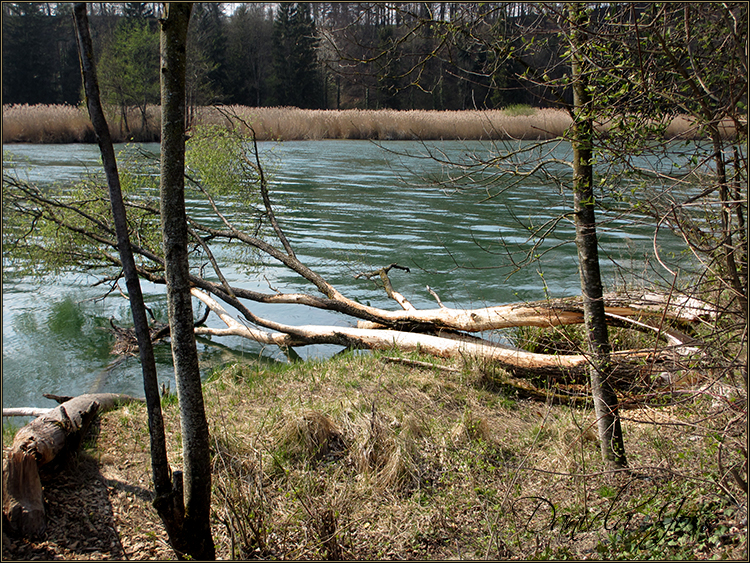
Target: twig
{"type": "Point", "coordinates": [437, 298]}
{"type": "Point", "coordinates": [214, 263]}
{"type": "Point", "coordinates": [392, 293]}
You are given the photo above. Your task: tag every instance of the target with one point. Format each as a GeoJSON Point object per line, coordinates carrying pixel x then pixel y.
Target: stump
{"type": "Point", "coordinates": [46, 442]}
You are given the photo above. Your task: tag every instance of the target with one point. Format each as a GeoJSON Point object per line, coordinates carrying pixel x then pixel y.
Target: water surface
{"type": "Point", "coordinates": [347, 207]}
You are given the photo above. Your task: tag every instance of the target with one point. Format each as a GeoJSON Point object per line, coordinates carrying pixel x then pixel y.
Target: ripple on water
{"type": "Point", "coordinates": [348, 207]}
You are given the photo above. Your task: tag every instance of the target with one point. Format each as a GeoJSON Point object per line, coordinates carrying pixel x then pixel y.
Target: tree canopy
{"type": "Point", "coordinates": [425, 55]}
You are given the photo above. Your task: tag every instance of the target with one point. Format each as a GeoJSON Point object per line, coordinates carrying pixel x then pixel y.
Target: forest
{"type": "Point", "coordinates": [318, 55]}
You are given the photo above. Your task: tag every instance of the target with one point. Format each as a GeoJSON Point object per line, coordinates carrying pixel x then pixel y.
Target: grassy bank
{"type": "Point", "coordinates": [66, 124]}
{"type": "Point", "coordinates": [362, 458]}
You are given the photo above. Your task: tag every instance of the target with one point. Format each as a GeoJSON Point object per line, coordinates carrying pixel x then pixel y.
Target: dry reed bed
{"type": "Point", "coordinates": [295, 124]}
{"type": "Point", "coordinates": [68, 124]}
{"type": "Point", "coordinates": [46, 124]}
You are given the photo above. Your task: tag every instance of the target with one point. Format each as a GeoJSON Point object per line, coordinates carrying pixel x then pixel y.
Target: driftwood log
{"type": "Point", "coordinates": [46, 443]}
{"type": "Point", "coordinates": [452, 344]}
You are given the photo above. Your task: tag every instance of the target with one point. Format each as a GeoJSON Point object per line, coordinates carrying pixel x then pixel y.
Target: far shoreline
{"type": "Point", "coordinates": [64, 124]}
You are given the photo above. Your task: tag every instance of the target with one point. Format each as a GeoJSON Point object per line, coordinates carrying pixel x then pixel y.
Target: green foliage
{"type": "Point", "coordinates": [128, 68]}
{"type": "Point", "coordinates": [673, 537]}
{"type": "Point", "coordinates": [39, 241]}
{"type": "Point", "coordinates": [220, 164]}
{"type": "Point", "coordinates": [219, 160]}
{"type": "Point", "coordinates": [55, 229]}
{"type": "Point", "coordinates": [139, 172]}
{"type": "Point", "coordinates": [296, 80]}
{"type": "Point", "coordinates": [520, 109]}
{"type": "Point", "coordinates": [248, 66]}
{"type": "Point", "coordinates": [443, 56]}
{"type": "Point", "coordinates": [207, 76]}
{"type": "Point", "coordinates": [40, 62]}
{"type": "Point", "coordinates": [169, 399]}
{"type": "Point", "coordinates": [10, 428]}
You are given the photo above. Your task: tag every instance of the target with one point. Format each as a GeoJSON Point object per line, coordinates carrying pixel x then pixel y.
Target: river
{"type": "Point", "coordinates": [347, 207]}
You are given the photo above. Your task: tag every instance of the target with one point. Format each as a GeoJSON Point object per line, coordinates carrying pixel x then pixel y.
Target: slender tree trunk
{"type": "Point", "coordinates": [605, 399]}
{"type": "Point", "coordinates": [159, 462]}
{"type": "Point", "coordinates": [196, 532]}
{"type": "Point", "coordinates": [741, 228]}
{"type": "Point", "coordinates": [733, 269]}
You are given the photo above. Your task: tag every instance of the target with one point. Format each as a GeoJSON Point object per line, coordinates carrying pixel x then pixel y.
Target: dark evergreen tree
{"type": "Point", "coordinates": [129, 68]}
{"type": "Point", "coordinates": [249, 40]}
{"type": "Point", "coordinates": [297, 78]}
{"type": "Point", "coordinates": [388, 70]}
{"type": "Point", "coordinates": [38, 56]}
{"type": "Point", "coordinates": [207, 78]}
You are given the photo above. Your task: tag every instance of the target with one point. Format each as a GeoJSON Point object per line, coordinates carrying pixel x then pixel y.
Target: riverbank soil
{"type": "Point", "coordinates": [361, 458]}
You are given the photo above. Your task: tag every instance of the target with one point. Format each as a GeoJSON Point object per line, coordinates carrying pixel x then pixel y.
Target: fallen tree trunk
{"type": "Point", "coordinates": [399, 327]}
{"type": "Point", "coordinates": [543, 313]}
{"type": "Point", "coordinates": [46, 442]}
{"type": "Point", "coordinates": [550, 313]}
{"type": "Point", "coordinates": [448, 345]}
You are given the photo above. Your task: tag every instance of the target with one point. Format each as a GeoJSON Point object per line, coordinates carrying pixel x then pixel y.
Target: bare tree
{"type": "Point", "coordinates": [186, 521]}
{"type": "Point", "coordinates": [441, 331]}
{"type": "Point", "coordinates": [194, 538]}
{"type": "Point", "coordinates": [159, 462]}
{"type": "Point", "coordinates": [605, 399]}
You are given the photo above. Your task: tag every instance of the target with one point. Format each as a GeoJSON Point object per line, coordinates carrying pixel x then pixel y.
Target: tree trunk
{"type": "Point", "coordinates": [605, 399]}
{"type": "Point", "coordinates": [447, 344]}
{"type": "Point", "coordinates": [159, 462]}
{"type": "Point", "coordinates": [733, 271]}
{"type": "Point", "coordinates": [47, 441]}
{"type": "Point", "coordinates": [195, 539]}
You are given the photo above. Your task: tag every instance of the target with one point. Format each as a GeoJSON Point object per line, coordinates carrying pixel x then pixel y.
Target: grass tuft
{"type": "Point", "coordinates": [310, 437]}
{"type": "Point", "coordinates": [361, 458]}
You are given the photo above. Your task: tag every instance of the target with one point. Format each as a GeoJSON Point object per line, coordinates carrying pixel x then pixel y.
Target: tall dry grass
{"type": "Point", "coordinates": [299, 124]}
{"type": "Point", "coordinates": [68, 124]}
{"type": "Point", "coordinates": [49, 123]}
{"type": "Point", "coordinates": [46, 124]}
{"type": "Point", "coordinates": [363, 458]}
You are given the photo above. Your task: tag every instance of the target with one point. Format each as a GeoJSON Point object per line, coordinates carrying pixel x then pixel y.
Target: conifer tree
{"type": "Point", "coordinates": [39, 56]}
{"type": "Point", "coordinates": [296, 70]}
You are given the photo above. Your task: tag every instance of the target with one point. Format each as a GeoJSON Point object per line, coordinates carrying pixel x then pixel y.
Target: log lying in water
{"type": "Point", "coordinates": [46, 442]}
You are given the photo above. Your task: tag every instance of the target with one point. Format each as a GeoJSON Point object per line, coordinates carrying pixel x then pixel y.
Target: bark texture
{"type": "Point", "coordinates": [159, 461]}
{"type": "Point", "coordinates": [605, 399]}
{"type": "Point", "coordinates": [446, 344]}
{"type": "Point", "coordinates": [194, 538]}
